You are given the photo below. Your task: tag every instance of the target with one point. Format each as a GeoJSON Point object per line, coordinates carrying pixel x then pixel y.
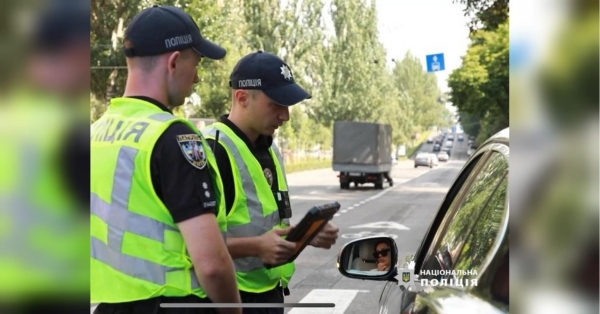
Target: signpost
{"type": "Point", "coordinates": [435, 62]}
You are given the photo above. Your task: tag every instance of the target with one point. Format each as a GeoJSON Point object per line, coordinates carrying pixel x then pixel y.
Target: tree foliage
{"type": "Point", "coordinates": [480, 86]}
{"type": "Point", "coordinates": [345, 70]}
{"type": "Point", "coordinates": [485, 14]}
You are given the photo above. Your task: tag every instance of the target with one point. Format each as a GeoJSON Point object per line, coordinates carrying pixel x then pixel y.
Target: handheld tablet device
{"type": "Point", "coordinates": [314, 221]}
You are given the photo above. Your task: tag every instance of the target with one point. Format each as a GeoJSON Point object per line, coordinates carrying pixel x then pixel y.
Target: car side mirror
{"type": "Point", "coordinates": [371, 258]}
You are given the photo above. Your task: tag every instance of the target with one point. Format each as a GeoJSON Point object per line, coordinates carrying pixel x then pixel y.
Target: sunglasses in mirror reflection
{"type": "Point", "coordinates": [370, 256]}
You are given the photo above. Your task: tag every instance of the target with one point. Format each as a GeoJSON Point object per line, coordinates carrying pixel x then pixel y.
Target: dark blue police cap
{"type": "Point", "coordinates": [267, 72]}
{"type": "Point", "coordinates": [162, 29]}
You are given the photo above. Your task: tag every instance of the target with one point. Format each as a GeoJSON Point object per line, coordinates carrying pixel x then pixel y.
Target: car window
{"type": "Point", "coordinates": [464, 241]}
{"type": "Point", "coordinates": [482, 238]}
{"type": "Point", "coordinates": [431, 235]}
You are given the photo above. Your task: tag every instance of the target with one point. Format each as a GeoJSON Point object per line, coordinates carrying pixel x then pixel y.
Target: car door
{"type": "Point", "coordinates": [470, 226]}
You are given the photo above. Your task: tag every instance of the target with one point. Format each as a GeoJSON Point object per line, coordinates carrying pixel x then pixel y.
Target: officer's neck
{"type": "Point", "coordinates": [240, 123]}
{"type": "Point", "coordinates": [140, 85]}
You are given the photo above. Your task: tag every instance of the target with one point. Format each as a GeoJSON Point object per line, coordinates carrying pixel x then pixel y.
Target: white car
{"type": "Point", "coordinates": [423, 159]}
{"type": "Point", "coordinates": [443, 156]}
{"type": "Point", "coordinates": [449, 143]}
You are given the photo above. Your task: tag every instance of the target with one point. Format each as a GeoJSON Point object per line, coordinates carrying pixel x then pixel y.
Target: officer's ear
{"type": "Point", "coordinates": [242, 97]}
{"type": "Point", "coordinates": [172, 63]}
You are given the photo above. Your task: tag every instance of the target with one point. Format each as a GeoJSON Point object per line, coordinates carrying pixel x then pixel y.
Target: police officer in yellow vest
{"type": "Point", "coordinates": [251, 166]}
{"type": "Point", "coordinates": [158, 224]}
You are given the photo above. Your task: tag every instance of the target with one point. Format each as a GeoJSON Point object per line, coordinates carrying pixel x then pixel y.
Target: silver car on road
{"type": "Point", "coordinates": [423, 159]}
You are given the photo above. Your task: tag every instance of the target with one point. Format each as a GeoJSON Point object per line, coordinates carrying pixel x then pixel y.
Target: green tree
{"type": "Point", "coordinates": [485, 14]}
{"type": "Point", "coordinates": [353, 66]}
{"type": "Point", "coordinates": [420, 104]}
{"type": "Point", "coordinates": [480, 86]}
{"type": "Point", "coordinates": [215, 19]}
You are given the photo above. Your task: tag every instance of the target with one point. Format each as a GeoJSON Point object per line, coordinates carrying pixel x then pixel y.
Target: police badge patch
{"type": "Point", "coordinates": [269, 176]}
{"type": "Point", "coordinates": [192, 149]}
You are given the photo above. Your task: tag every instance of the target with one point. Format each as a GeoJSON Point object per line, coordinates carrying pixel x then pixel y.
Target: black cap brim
{"type": "Point", "coordinates": [210, 50]}
{"type": "Point", "coordinates": [287, 95]}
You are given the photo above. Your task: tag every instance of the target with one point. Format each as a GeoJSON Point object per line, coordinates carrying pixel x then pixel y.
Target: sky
{"type": "Point", "coordinates": [424, 27]}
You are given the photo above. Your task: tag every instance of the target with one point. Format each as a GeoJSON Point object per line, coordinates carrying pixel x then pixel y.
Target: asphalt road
{"type": "Point", "coordinates": [411, 203]}
{"type": "Point", "coordinates": [408, 206]}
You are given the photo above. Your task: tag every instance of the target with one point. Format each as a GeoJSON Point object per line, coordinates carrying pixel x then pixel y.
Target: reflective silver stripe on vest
{"type": "Point", "coordinates": [163, 117]}
{"type": "Point", "coordinates": [120, 220]}
{"type": "Point", "coordinates": [258, 224]}
{"type": "Point", "coordinates": [285, 221]}
{"type": "Point", "coordinates": [280, 158]}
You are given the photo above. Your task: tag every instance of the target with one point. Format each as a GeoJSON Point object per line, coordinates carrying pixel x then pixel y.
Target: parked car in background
{"type": "Point", "coordinates": [423, 159]}
{"type": "Point", "coordinates": [449, 143]}
{"type": "Point", "coordinates": [460, 137]}
{"type": "Point", "coordinates": [443, 156]}
{"type": "Point", "coordinates": [429, 140]}
{"type": "Point", "coordinates": [467, 241]}
{"type": "Point", "coordinates": [437, 147]}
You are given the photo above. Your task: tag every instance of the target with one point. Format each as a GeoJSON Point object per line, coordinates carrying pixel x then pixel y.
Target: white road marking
{"type": "Point", "coordinates": [351, 208]}
{"type": "Point", "coordinates": [313, 192]}
{"type": "Point", "coordinates": [337, 215]}
{"type": "Point", "coordinates": [340, 297]}
{"type": "Point", "coordinates": [343, 211]}
{"type": "Point", "coordinates": [383, 225]}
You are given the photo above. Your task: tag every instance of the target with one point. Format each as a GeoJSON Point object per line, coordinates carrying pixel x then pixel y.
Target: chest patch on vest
{"type": "Point", "coordinates": [192, 149]}
{"type": "Point", "coordinates": [269, 176]}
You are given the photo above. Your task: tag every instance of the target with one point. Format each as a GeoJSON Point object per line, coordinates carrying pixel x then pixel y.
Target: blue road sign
{"type": "Point", "coordinates": [435, 62]}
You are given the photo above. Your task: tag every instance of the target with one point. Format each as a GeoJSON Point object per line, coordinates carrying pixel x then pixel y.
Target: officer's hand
{"type": "Point", "coordinates": [327, 237]}
{"type": "Point", "coordinates": [275, 250]}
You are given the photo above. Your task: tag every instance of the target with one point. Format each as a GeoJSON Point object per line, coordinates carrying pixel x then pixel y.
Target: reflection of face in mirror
{"type": "Point", "coordinates": [369, 257]}
{"type": "Point", "coordinates": [383, 256]}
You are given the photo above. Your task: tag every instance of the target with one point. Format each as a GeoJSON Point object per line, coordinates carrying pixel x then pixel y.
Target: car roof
{"type": "Point", "coordinates": [502, 136]}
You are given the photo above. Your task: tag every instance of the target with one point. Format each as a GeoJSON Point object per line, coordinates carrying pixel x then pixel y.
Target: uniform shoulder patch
{"type": "Point", "coordinates": [192, 149]}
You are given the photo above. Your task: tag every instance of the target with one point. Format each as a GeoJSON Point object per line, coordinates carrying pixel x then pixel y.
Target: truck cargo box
{"type": "Point", "coordinates": [362, 147]}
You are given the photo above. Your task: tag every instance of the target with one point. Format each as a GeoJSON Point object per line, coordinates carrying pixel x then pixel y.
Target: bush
{"type": "Point", "coordinates": [307, 164]}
